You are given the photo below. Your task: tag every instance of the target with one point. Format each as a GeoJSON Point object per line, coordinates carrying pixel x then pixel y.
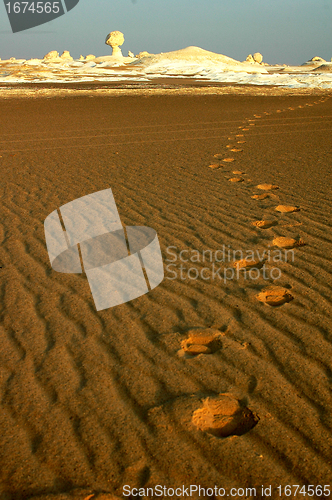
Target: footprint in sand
{"type": "Point", "coordinates": [287, 209]}
{"type": "Point", "coordinates": [219, 156]}
{"type": "Point", "coordinates": [224, 416]}
{"type": "Point", "coordinates": [235, 150]}
{"type": "Point", "coordinates": [267, 187]}
{"type": "Point", "coordinates": [202, 341]}
{"type": "Point", "coordinates": [260, 196]}
{"type": "Point", "coordinates": [237, 172]}
{"type": "Point", "coordinates": [215, 166]}
{"type": "Point", "coordinates": [228, 160]}
{"type": "Point", "coordinates": [264, 224]}
{"type": "Point", "coordinates": [236, 179]}
{"type": "Point", "coordinates": [284, 242]}
{"type": "Point", "coordinates": [275, 296]}
{"type": "Point", "coordinates": [248, 264]}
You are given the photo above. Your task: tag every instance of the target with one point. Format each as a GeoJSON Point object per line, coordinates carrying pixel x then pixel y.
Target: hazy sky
{"type": "Point", "coordinates": [284, 31]}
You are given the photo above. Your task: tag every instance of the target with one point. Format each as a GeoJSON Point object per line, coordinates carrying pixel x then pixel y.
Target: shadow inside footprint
{"type": "Point", "coordinates": [224, 416]}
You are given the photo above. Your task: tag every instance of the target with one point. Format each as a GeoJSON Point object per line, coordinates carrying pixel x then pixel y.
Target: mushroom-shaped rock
{"type": "Point", "coordinates": [51, 55]}
{"type": "Point", "coordinates": [224, 416]}
{"type": "Point", "coordinates": [202, 341]}
{"type": "Point", "coordinates": [66, 55]}
{"type": "Point", "coordinates": [258, 58]}
{"type": "Point", "coordinates": [115, 39]}
{"type": "Point", "coordinates": [250, 58]}
{"type": "Point", "coordinates": [275, 296]}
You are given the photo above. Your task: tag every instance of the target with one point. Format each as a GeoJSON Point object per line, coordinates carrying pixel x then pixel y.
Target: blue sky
{"type": "Point", "coordinates": [284, 31]}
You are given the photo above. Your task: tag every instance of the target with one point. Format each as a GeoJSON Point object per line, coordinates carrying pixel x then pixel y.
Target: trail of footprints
{"type": "Point", "coordinates": [225, 415]}
{"type": "Point", "coordinates": [273, 295]}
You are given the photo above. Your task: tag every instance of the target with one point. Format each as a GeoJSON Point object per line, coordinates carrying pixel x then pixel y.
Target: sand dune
{"type": "Point", "coordinates": [91, 401]}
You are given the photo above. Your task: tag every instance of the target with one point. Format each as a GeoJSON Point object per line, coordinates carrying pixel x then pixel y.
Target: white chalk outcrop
{"type": "Point", "coordinates": [50, 56]}
{"type": "Point", "coordinates": [130, 54]}
{"type": "Point", "coordinates": [115, 39]}
{"type": "Point", "coordinates": [324, 68]}
{"type": "Point", "coordinates": [317, 59]}
{"type": "Point", "coordinates": [90, 57]}
{"type": "Point", "coordinates": [144, 53]}
{"type": "Point", "coordinates": [192, 60]}
{"type": "Point", "coordinates": [66, 56]}
{"type": "Point", "coordinates": [258, 58]}
{"type": "Point", "coordinates": [314, 61]}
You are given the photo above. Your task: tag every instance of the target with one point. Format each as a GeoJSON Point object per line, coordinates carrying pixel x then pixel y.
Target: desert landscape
{"type": "Point", "coordinates": [218, 381]}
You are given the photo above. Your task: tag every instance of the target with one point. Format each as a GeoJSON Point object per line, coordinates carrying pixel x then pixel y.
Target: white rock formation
{"type": "Point", "coordinates": [115, 39]}
{"type": "Point", "coordinates": [81, 58]}
{"type": "Point", "coordinates": [32, 62]}
{"type": "Point", "coordinates": [66, 55]}
{"type": "Point", "coordinates": [317, 59]}
{"type": "Point", "coordinates": [314, 61]}
{"type": "Point", "coordinates": [324, 68]}
{"type": "Point", "coordinates": [90, 57]}
{"type": "Point", "coordinates": [250, 59]}
{"type": "Point", "coordinates": [258, 58]}
{"type": "Point", "coordinates": [195, 58]}
{"type": "Point", "coordinates": [143, 54]}
{"type": "Point", "coordinates": [51, 55]}
{"type": "Point", "coordinates": [130, 54]}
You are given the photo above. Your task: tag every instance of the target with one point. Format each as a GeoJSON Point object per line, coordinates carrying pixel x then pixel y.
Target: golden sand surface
{"type": "Point", "coordinates": [135, 394]}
